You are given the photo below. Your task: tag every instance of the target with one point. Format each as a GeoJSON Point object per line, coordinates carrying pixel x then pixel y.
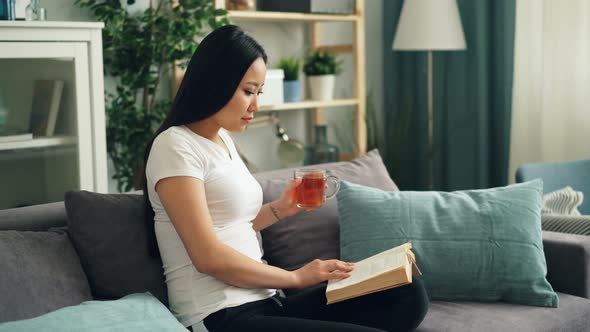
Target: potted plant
{"type": "Point", "coordinates": [139, 49]}
{"type": "Point", "coordinates": [291, 83]}
{"type": "Point", "coordinates": [321, 68]}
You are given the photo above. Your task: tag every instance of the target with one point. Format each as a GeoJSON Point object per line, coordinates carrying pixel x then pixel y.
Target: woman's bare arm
{"type": "Point", "coordinates": [284, 206]}
{"type": "Point", "coordinates": [186, 205]}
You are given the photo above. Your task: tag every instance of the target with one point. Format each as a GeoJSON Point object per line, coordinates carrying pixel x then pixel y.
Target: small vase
{"type": "Point", "coordinates": [321, 87]}
{"type": "Point", "coordinates": [321, 151]}
{"type": "Point", "coordinates": [34, 11]}
{"type": "Point", "coordinates": [292, 91]}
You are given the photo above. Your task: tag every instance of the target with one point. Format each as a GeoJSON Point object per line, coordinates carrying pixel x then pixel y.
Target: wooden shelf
{"type": "Point", "coordinates": [260, 16]}
{"type": "Point", "coordinates": [356, 48]}
{"type": "Point", "coordinates": [40, 142]}
{"type": "Point", "coordinates": [309, 104]}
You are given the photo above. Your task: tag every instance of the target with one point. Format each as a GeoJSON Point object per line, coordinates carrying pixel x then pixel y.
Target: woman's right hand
{"type": "Point", "coordinates": [318, 271]}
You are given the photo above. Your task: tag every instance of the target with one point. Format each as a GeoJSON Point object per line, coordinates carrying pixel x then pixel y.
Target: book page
{"type": "Point", "coordinates": [372, 266]}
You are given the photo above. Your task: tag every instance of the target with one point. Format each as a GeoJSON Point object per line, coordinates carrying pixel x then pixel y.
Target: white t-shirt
{"type": "Point", "coordinates": [234, 198]}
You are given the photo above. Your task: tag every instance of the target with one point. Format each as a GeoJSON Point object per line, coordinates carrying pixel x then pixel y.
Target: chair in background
{"type": "Point", "coordinates": [557, 175]}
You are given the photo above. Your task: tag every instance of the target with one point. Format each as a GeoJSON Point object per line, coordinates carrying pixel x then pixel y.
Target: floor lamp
{"type": "Point", "coordinates": [429, 25]}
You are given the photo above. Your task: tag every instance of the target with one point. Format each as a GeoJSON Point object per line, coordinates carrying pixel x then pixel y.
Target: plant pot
{"type": "Point", "coordinates": [321, 87]}
{"type": "Point", "coordinates": [292, 91]}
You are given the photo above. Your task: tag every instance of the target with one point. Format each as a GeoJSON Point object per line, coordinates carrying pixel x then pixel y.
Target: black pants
{"type": "Point", "coordinates": [397, 309]}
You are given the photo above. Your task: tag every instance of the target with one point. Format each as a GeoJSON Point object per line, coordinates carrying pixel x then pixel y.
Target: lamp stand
{"type": "Point", "coordinates": [430, 176]}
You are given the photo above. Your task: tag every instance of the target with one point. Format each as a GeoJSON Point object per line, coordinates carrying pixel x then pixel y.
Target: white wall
{"type": "Point", "coordinates": [289, 39]}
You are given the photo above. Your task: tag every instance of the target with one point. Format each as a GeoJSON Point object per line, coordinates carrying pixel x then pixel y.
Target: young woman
{"type": "Point", "coordinates": [207, 208]}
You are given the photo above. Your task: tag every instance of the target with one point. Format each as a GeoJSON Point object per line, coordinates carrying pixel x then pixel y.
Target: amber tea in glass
{"type": "Point", "coordinates": [311, 192]}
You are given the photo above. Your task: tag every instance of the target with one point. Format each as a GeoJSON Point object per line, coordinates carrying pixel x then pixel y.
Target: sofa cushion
{"type": "Point", "coordinates": [482, 245]}
{"type": "Point", "coordinates": [133, 313]}
{"type": "Point", "coordinates": [109, 234]}
{"type": "Point", "coordinates": [301, 238]}
{"type": "Point", "coordinates": [572, 315]}
{"type": "Point", "coordinates": [39, 272]}
{"type": "Point", "coordinates": [563, 202]}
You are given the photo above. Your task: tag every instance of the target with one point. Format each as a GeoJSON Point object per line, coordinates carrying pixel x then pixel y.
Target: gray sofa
{"type": "Point", "coordinates": [45, 268]}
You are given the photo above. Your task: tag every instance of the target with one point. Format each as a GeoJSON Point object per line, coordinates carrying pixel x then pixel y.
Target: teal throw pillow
{"type": "Point", "coordinates": [481, 245]}
{"type": "Point", "coordinates": [139, 312]}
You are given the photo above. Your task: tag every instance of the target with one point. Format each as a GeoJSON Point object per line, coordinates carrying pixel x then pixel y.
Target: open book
{"type": "Point", "coordinates": [388, 269]}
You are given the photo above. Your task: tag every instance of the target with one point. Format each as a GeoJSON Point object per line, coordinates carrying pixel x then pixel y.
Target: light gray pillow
{"type": "Point", "coordinates": [563, 202]}
{"type": "Point", "coordinates": [39, 272]}
{"type": "Point", "coordinates": [299, 239]}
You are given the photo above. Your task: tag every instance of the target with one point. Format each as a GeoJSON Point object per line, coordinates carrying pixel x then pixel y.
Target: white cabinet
{"type": "Point", "coordinates": [74, 157]}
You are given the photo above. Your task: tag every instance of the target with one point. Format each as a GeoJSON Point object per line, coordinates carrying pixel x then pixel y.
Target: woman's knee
{"type": "Point", "coordinates": [417, 301]}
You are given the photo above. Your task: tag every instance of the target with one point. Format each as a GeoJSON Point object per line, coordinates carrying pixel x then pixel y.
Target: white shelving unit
{"type": "Point", "coordinates": [42, 142]}
{"type": "Point", "coordinates": [42, 169]}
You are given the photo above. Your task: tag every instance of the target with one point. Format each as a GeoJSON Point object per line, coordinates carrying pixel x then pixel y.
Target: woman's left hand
{"type": "Point", "coordinates": [286, 205]}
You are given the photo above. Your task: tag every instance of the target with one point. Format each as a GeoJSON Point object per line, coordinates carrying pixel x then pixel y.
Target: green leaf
{"type": "Point", "coordinates": [322, 63]}
{"type": "Point", "coordinates": [212, 23]}
{"type": "Point", "coordinates": [135, 48]}
{"type": "Point", "coordinates": [219, 12]}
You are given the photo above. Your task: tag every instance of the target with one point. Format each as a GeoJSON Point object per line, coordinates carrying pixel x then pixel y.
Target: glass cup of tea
{"type": "Point", "coordinates": [311, 193]}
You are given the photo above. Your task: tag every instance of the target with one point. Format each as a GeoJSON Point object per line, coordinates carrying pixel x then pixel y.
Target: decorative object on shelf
{"type": "Point", "coordinates": [240, 4]}
{"type": "Point", "coordinates": [321, 151]}
{"type": "Point", "coordinates": [7, 10]}
{"type": "Point", "coordinates": [273, 88]}
{"type": "Point", "coordinates": [321, 68]}
{"type": "Point", "coordinates": [309, 6]}
{"type": "Point", "coordinates": [46, 101]}
{"type": "Point", "coordinates": [291, 84]}
{"type": "Point", "coordinates": [426, 25]}
{"type": "Point", "coordinates": [20, 9]}
{"type": "Point", "coordinates": [34, 11]}
{"type": "Point", "coordinates": [291, 152]}
{"type": "Point", "coordinates": [138, 51]}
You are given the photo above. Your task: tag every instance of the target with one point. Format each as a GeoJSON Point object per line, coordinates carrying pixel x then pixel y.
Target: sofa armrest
{"type": "Point", "coordinates": [34, 218]}
{"type": "Point", "coordinates": [568, 262]}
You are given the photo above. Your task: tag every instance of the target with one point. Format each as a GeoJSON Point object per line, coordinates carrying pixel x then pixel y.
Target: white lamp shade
{"type": "Point", "coordinates": [429, 25]}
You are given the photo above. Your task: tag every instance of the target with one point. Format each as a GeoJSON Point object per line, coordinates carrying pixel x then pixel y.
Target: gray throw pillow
{"type": "Point", "coordinates": [39, 272]}
{"type": "Point", "coordinates": [297, 240]}
{"type": "Point", "coordinates": [109, 234]}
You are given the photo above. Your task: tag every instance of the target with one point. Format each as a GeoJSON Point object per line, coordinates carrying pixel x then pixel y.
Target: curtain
{"type": "Point", "coordinates": [471, 102]}
{"type": "Point", "coordinates": [551, 101]}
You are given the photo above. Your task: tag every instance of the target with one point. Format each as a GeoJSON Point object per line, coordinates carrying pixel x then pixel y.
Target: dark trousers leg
{"type": "Point", "coordinates": [268, 316]}
{"type": "Point", "coordinates": [398, 309]}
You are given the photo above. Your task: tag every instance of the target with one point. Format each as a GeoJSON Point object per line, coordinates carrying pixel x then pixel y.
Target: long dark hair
{"type": "Point", "coordinates": [211, 78]}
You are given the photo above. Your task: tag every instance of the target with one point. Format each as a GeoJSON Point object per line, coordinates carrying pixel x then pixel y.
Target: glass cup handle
{"type": "Point", "coordinates": [336, 182]}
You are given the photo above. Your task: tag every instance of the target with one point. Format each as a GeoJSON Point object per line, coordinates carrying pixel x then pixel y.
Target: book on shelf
{"type": "Point", "coordinates": [388, 269]}
{"type": "Point", "coordinates": [7, 138]}
{"type": "Point", "coordinates": [46, 102]}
